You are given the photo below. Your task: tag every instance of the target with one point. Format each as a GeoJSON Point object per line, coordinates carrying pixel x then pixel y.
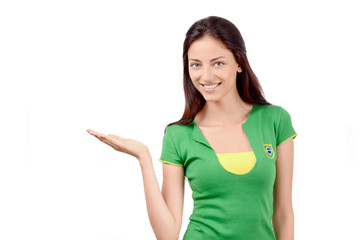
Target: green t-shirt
{"type": "Point", "coordinates": [230, 205]}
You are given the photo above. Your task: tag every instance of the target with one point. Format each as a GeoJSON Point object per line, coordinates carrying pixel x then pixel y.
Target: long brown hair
{"type": "Point", "coordinates": [247, 83]}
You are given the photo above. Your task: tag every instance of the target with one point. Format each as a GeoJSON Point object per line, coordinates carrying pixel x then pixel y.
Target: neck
{"type": "Point", "coordinates": [226, 112]}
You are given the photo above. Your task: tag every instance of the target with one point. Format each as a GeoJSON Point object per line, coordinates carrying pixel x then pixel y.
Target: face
{"type": "Point", "coordinates": [212, 68]}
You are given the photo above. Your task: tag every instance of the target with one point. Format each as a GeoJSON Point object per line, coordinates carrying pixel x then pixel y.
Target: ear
{"type": "Point", "coordinates": [239, 69]}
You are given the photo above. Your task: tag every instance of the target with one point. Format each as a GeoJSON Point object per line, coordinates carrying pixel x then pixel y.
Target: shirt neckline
{"type": "Point", "coordinates": [251, 111]}
{"type": "Point", "coordinates": [199, 136]}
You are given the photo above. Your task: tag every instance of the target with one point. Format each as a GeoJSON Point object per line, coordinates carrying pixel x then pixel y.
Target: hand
{"type": "Point", "coordinates": [129, 146]}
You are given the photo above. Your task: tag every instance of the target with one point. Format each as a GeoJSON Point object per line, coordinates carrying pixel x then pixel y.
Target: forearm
{"type": "Point", "coordinates": [284, 227]}
{"type": "Point", "coordinates": [161, 218]}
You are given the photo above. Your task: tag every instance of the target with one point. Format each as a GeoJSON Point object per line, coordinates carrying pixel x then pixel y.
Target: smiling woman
{"type": "Point", "coordinates": [220, 143]}
{"type": "Point", "coordinates": [211, 74]}
{"type": "Point", "coordinates": [224, 144]}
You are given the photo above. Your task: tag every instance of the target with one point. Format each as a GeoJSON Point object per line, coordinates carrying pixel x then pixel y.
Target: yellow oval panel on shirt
{"type": "Point", "coordinates": [237, 163]}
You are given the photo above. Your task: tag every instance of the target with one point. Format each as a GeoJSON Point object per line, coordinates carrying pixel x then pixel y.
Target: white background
{"type": "Point", "coordinates": [116, 67]}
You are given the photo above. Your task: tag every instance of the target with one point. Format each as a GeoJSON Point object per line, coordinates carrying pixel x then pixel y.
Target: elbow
{"type": "Point", "coordinates": [283, 218]}
{"type": "Point", "coordinates": [283, 225]}
{"type": "Point", "coordinates": [283, 211]}
{"type": "Point", "coordinates": [168, 233]}
{"type": "Point", "coordinates": [283, 214]}
{"type": "Point", "coordinates": [168, 236]}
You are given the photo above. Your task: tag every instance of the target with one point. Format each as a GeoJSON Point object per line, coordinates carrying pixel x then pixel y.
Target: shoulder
{"type": "Point", "coordinates": [179, 132]}
{"type": "Point", "coordinates": [272, 114]}
{"type": "Point", "coordinates": [271, 110]}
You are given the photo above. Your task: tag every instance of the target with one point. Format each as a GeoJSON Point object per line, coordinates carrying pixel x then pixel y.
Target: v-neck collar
{"type": "Point", "coordinates": [198, 136]}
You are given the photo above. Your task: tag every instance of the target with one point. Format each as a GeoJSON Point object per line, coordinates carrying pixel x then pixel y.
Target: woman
{"type": "Point", "coordinates": [235, 148]}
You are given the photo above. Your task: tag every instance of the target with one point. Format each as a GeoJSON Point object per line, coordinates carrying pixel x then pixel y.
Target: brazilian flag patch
{"type": "Point", "coordinates": [268, 148]}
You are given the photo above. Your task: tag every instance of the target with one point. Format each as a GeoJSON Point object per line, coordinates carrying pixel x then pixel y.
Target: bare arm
{"type": "Point", "coordinates": [164, 209]}
{"type": "Point", "coordinates": [283, 217]}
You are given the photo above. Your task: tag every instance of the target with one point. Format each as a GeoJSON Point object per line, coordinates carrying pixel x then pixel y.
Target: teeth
{"type": "Point", "coordinates": [210, 86]}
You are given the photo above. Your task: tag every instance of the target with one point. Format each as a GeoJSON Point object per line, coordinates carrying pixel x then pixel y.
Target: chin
{"type": "Point", "coordinates": [211, 99]}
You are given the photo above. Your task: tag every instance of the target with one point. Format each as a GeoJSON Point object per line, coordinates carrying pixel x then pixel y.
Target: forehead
{"type": "Point", "coordinates": [207, 48]}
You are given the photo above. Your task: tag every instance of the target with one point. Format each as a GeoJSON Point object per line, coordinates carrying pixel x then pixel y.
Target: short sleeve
{"type": "Point", "coordinates": [285, 129]}
{"type": "Point", "coordinates": [169, 152]}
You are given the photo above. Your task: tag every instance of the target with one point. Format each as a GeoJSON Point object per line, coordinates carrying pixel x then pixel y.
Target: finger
{"type": "Point", "coordinates": [96, 134]}
{"type": "Point", "coordinates": [109, 141]}
{"type": "Point", "coordinates": [106, 138]}
{"type": "Point", "coordinates": [119, 140]}
{"type": "Point", "coordinates": [112, 136]}
{"type": "Point", "coordinates": [101, 137]}
{"type": "Point", "coordinates": [90, 130]}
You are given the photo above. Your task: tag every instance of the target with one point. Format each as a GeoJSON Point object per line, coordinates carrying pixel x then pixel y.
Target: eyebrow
{"type": "Point", "coordinates": [197, 60]}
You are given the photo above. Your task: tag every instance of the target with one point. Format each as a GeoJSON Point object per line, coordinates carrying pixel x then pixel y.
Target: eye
{"type": "Point", "coordinates": [219, 64]}
{"type": "Point", "coordinates": [195, 65]}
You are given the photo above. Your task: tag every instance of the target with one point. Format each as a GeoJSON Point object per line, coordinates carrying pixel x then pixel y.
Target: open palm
{"type": "Point", "coordinates": [126, 145]}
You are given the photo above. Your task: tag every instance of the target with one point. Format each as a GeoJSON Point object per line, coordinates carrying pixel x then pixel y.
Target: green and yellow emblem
{"type": "Point", "coordinates": [268, 148]}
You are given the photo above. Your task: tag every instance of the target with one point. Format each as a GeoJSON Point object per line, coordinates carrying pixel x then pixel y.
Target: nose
{"type": "Point", "coordinates": [206, 75]}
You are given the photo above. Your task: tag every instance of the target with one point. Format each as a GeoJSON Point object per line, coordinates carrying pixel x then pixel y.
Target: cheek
{"type": "Point", "coordinates": [194, 76]}
{"type": "Point", "coordinates": [230, 74]}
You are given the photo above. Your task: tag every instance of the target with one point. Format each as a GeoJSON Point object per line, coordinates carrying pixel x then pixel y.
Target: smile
{"type": "Point", "coordinates": [210, 88]}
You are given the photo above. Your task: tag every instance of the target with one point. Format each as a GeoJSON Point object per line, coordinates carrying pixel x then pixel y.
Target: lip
{"type": "Point", "coordinates": [209, 83]}
{"type": "Point", "coordinates": [210, 89]}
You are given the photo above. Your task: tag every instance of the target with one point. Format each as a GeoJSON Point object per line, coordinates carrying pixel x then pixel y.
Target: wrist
{"type": "Point", "coordinates": [144, 157]}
